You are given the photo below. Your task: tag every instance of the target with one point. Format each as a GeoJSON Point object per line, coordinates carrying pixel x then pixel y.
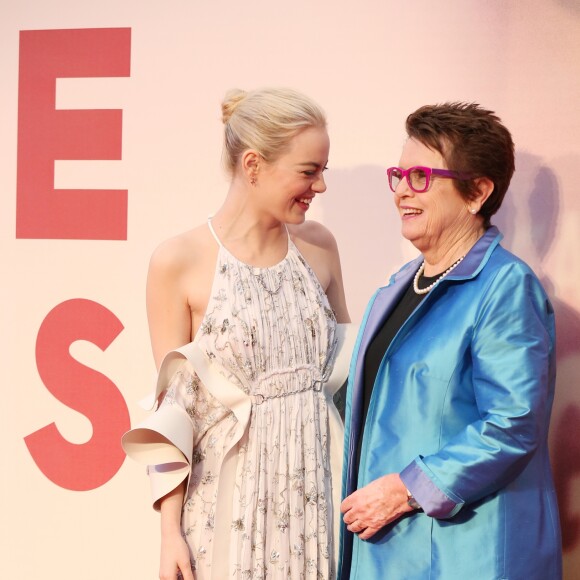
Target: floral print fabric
{"type": "Point", "coordinates": [272, 333]}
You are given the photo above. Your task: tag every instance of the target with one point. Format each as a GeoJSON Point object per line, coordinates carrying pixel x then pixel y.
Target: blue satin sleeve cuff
{"type": "Point", "coordinates": [420, 481]}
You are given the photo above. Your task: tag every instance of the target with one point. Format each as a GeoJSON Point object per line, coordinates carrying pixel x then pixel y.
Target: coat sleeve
{"type": "Point", "coordinates": [513, 375]}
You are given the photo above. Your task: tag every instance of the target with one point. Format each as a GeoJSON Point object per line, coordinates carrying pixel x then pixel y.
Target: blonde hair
{"type": "Point", "coordinates": [265, 120]}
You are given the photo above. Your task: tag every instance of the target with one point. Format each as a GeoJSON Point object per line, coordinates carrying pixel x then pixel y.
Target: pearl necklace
{"type": "Point", "coordinates": [420, 271]}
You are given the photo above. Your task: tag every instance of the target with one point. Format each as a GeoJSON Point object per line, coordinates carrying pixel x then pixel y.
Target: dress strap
{"type": "Point", "coordinates": [220, 242]}
{"type": "Point", "coordinates": [213, 232]}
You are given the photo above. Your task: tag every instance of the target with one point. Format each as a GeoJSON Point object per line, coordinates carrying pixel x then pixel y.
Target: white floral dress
{"type": "Point", "coordinates": [259, 503]}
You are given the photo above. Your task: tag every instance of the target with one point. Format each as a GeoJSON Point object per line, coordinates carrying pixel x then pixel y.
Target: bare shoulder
{"type": "Point", "coordinates": [318, 246]}
{"type": "Point", "coordinates": [182, 252]}
{"type": "Point", "coordinates": [313, 234]}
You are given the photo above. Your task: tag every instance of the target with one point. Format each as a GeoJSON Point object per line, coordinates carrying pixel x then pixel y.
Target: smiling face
{"type": "Point", "coordinates": [288, 185]}
{"type": "Point", "coordinates": [436, 220]}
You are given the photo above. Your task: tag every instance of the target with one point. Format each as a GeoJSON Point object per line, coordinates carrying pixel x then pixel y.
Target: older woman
{"type": "Point", "coordinates": [446, 472]}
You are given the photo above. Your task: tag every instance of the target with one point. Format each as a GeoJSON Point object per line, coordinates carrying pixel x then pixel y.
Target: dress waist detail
{"type": "Point", "coordinates": [287, 382]}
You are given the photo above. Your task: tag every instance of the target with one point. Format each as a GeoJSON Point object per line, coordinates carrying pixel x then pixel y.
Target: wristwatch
{"type": "Point", "coordinates": [412, 502]}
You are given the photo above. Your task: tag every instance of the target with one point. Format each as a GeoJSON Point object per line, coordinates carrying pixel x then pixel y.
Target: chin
{"type": "Point", "coordinates": [408, 234]}
{"type": "Point", "coordinates": [295, 219]}
{"type": "Point", "coordinates": [416, 240]}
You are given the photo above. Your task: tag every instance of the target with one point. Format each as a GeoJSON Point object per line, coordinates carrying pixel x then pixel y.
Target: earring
{"type": "Point", "coordinates": [473, 210]}
{"type": "Point", "coordinates": [253, 180]}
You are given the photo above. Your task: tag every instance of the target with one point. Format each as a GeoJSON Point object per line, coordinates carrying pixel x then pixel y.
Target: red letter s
{"type": "Point", "coordinates": [79, 467]}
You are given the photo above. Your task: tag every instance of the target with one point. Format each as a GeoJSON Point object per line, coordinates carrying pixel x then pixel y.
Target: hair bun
{"type": "Point", "coordinates": [232, 99]}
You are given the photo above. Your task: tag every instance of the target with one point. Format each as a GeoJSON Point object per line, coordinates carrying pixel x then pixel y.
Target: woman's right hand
{"type": "Point", "coordinates": [174, 558]}
{"type": "Point", "coordinates": [370, 508]}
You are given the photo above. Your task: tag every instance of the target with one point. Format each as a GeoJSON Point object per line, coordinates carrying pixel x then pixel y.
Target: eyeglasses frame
{"type": "Point", "coordinates": [429, 171]}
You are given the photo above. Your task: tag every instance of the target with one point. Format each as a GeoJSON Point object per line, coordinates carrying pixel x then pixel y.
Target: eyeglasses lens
{"type": "Point", "coordinates": [418, 180]}
{"type": "Point", "coordinates": [394, 178]}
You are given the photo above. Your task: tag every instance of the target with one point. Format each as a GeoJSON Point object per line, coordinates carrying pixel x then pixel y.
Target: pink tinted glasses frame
{"type": "Point", "coordinates": [420, 174]}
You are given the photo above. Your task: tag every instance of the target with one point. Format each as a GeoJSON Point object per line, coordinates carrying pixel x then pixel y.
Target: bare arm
{"type": "Point", "coordinates": [174, 270]}
{"type": "Point", "coordinates": [168, 310]}
{"type": "Point", "coordinates": [169, 327]}
{"type": "Point", "coordinates": [169, 319]}
{"type": "Point", "coordinates": [335, 289]}
{"type": "Point", "coordinates": [174, 550]}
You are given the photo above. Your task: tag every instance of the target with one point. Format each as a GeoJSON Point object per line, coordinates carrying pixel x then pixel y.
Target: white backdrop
{"type": "Point", "coordinates": [368, 63]}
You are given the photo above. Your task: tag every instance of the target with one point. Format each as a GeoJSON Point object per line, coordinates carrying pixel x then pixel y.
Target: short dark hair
{"type": "Point", "coordinates": [472, 140]}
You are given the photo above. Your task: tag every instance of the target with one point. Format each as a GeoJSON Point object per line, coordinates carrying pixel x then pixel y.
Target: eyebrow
{"type": "Point", "coordinates": [311, 164]}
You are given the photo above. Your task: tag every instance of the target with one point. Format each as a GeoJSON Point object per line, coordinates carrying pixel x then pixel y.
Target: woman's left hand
{"type": "Point", "coordinates": [372, 507]}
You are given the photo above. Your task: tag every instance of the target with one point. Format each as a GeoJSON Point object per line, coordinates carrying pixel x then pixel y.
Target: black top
{"type": "Point", "coordinates": [383, 338]}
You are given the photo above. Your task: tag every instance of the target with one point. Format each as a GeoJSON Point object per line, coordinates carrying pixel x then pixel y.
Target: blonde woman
{"type": "Point", "coordinates": [239, 448]}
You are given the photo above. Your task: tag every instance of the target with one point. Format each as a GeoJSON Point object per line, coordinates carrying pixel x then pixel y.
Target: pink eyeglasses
{"type": "Point", "coordinates": [419, 177]}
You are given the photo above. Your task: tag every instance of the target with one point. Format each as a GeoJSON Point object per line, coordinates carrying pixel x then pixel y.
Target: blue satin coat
{"type": "Point", "coordinates": [460, 408]}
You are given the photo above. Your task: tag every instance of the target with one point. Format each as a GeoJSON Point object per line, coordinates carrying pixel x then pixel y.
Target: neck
{"type": "Point", "coordinates": [440, 257]}
{"type": "Point", "coordinates": [253, 238]}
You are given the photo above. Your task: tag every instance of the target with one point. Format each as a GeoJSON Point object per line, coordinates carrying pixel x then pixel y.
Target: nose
{"type": "Point", "coordinates": [319, 186]}
{"type": "Point", "coordinates": [403, 189]}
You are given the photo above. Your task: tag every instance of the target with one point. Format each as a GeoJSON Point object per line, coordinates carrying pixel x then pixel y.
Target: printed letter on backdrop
{"type": "Point", "coordinates": [46, 134]}
{"type": "Point", "coordinates": [84, 466]}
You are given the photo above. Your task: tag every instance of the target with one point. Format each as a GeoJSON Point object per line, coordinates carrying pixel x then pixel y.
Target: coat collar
{"type": "Point", "coordinates": [478, 256]}
{"type": "Point", "coordinates": [469, 267]}
{"type": "Point", "coordinates": [388, 296]}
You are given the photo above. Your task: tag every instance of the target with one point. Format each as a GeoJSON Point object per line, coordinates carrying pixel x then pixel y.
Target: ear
{"type": "Point", "coordinates": [483, 189]}
{"type": "Point", "coordinates": [251, 162]}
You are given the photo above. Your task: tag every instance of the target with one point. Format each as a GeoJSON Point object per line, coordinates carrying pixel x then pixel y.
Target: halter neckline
{"type": "Point", "coordinates": [254, 268]}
